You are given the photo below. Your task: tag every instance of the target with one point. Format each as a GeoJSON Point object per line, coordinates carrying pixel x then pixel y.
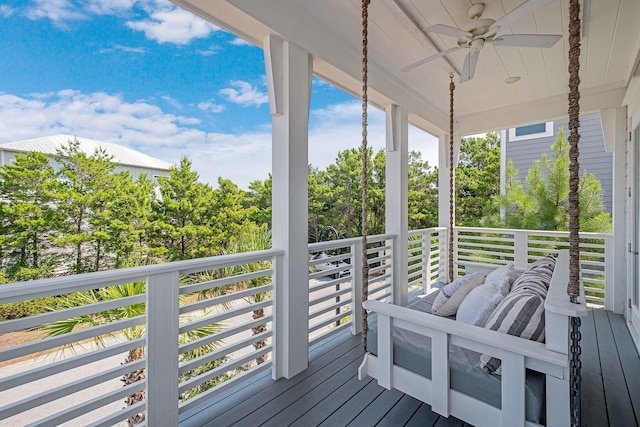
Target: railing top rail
{"type": "Point", "coordinates": [66, 284]}
{"type": "Point", "coordinates": [426, 230]}
{"type": "Point", "coordinates": [536, 232]}
{"type": "Point", "coordinates": [341, 243]}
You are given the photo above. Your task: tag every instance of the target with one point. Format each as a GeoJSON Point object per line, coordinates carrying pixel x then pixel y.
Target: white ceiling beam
{"type": "Point", "coordinates": [539, 110]}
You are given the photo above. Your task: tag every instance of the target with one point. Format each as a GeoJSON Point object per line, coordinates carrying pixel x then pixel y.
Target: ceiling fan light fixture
{"type": "Point", "coordinates": [512, 79]}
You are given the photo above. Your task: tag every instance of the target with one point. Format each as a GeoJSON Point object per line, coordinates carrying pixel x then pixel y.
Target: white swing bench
{"type": "Point", "coordinates": [550, 360]}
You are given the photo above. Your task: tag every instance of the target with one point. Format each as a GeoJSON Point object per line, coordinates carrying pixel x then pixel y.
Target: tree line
{"type": "Point", "coordinates": [83, 215]}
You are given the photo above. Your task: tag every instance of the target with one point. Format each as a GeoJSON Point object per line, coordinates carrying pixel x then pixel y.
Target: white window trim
{"type": "Point", "coordinates": [548, 131]}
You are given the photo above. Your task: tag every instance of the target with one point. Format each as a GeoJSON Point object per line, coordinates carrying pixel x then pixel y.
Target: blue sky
{"type": "Point", "coordinates": [151, 76]}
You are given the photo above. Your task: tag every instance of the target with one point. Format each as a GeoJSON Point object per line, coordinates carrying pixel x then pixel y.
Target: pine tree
{"type": "Point", "coordinates": [477, 177]}
{"type": "Point", "coordinates": [28, 217]}
{"type": "Point", "coordinates": [544, 204]}
{"type": "Point", "coordinates": [86, 187]}
{"type": "Point", "coordinates": [423, 193]}
{"type": "Point", "coordinates": [180, 227]}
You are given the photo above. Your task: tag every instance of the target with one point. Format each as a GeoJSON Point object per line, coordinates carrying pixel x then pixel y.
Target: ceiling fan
{"type": "Point", "coordinates": [484, 30]}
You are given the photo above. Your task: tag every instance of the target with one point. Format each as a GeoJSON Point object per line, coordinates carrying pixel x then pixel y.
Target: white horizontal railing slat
{"type": "Point", "coordinates": [54, 316]}
{"type": "Point", "coordinates": [224, 299]}
{"type": "Point", "coordinates": [223, 281]}
{"type": "Point", "coordinates": [119, 416]}
{"type": "Point", "coordinates": [93, 404]}
{"type": "Point", "coordinates": [35, 374]}
{"type": "Point", "coordinates": [67, 389]}
{"type": "Point", "coordinates": [82, 334]}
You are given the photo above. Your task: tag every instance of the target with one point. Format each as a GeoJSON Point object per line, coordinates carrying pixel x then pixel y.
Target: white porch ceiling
{"type": "Point", "coordinates": [330, 30]}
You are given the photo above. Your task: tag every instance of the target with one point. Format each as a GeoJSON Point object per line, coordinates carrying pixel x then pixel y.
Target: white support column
{"type": "Point", "coordinates": [397, 211]}
{"type": "Point", "coordinates": [289, 70]}
{"type": "Point", "coordinates": [614, 127]}
{"type": "Point", "coordinates": [162, 350]}
{"type": "Point", "coordinates": [443, 187]}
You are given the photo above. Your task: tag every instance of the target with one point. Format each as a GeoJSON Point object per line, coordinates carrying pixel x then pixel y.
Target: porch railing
{"type": "Point", "coordinates": [172, 331]}
{"type": "Point", "coordinates": [335, 282]}
{"type": "Point", "coordinates": [522, 247]}
{"type": "Point", "coordinates": [207, 323]}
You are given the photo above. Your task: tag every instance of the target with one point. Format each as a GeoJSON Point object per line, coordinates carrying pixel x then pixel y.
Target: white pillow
{"type": "Point", "coordinates": [502, 278]}
{"type": "Point", "coordinates": [478, 306]}
{"type": "Point", "coordinates": [452, 295]}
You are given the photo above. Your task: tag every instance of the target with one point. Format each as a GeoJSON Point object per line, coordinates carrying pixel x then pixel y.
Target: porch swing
{"type": "Point", "coordinates": [492, 375]}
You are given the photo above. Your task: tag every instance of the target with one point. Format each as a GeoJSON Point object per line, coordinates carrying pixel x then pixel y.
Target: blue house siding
{"type": "Point", "coordinates": [593, 157]}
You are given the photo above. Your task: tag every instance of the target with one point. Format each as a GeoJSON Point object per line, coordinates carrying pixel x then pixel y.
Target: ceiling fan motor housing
{"type": "Point", "coordinates": [475, 11]}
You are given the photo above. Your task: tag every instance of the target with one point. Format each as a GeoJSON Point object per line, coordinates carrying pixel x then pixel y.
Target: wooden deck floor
{"type": "Point", "coordinates": [329, 393]}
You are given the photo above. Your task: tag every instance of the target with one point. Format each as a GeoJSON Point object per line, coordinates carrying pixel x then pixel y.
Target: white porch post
{"type": "Point", "coordinates": [289, 70]}
{"type": "Point", "coordinates": [162, 349]}
{"type": "Point", "coordinates": [396, 206]}
{"type": "Point", "coordinates": [443, 186]}
{"type": "Point", "coordinates": [614, 127]}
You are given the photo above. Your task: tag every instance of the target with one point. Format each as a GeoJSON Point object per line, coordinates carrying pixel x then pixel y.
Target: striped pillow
{"type": "Point", "coordinates": [537, 277]}
{"type": "Point", "coordinates": [520, 314]}
{"type": "Point", "coordinates": [452, 295]}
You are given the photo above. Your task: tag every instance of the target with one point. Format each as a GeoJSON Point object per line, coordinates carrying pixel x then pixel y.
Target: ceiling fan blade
{"type": "Point", "coordinates": [469, 66]}
{"type": "Point", "coordinates": [429, 59]}
{"type": "Point", "coordinates": [448, 31]}
{"type": "Point", "coordinates": [526, 40]}
{"type": "Point", "coordinates": [518, 13]}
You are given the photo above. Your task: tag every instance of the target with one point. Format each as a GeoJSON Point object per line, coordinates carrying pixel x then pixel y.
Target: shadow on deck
{"type": "Point", "coordinates": [329, 393]}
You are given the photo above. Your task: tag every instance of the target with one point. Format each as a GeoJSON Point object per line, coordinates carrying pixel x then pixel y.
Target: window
{"type": "Point", "coordinates": [537, 130]}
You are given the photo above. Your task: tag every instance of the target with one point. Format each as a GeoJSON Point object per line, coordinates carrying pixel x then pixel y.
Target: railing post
{"type": "Point", "coordinates": [520, 249]}
{"type": "Point", "coordinates": [356, 287]}
{"type": "Point", "coordinates": [399, 281]}
{"type": "Point", "coordinates": [162, 350]}
{"type": "Point", "coordinates": [611, 291]}
{"type": "Point", "coordinates": [444, 252]}
{"type": "Point", "coordinates": [425, 237]}
{"type": "Point", "coordinates": [443, 267]}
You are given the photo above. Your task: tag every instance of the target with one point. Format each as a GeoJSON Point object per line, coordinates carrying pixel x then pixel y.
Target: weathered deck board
{"type": "Point", "coordinates": [619, 408]}
{"type": "Point", "coordinates": [629, 360]}
{"type": "Point", "coordinates": [329, 392]}
{"type": "Point", "coordinates": [594, 409]}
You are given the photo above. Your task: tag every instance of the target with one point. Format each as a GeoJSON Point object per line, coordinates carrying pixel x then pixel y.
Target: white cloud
{"type": "Point", "coordinates": [211, 107]}
{"type": "Point", "coordinates": [145, 127]}
{"type": "Point", "coordinates": [239, 42]}
{"type": "Point", "coordinates": [58, 11]}
{"type": "Point", "coordinates": [211, 51]}
{"type": "Point", "coordinates": [126, 49]}
{"type": "Point", "coordinates": [96, 115]}
{"type": "Point", "coordinates": [173, 25]}
{"type": "Point", "coordinates": [338, 127]}
{"type": "Point", "coordinates": [109, 7]}
{"type": "Point", "coordinates": [6, 10]}
{"type": "Point", "coordinates": [140, 125]}
{"type": "Point", "coordinates": [245, 94]}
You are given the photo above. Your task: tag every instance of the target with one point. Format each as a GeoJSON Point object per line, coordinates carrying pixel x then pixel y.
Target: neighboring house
{"type": "Point", "coordinates": [127, 159]}
{"type": "Point", "coordinates": [525, 144]}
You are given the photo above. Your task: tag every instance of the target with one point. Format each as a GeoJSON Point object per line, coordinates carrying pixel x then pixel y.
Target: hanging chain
{"type": "Point", "coordinates": [575, 371]}
{"type": "Point", "coordinates": [365, 167]}
{"type": "Point", "coordinates": [573, 288]}
{"type": "Point", "coordinates": [452, 87]}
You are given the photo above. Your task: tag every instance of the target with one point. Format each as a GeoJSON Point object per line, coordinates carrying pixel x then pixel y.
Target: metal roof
{"type": "Point", "coordinates": [122, 155]}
